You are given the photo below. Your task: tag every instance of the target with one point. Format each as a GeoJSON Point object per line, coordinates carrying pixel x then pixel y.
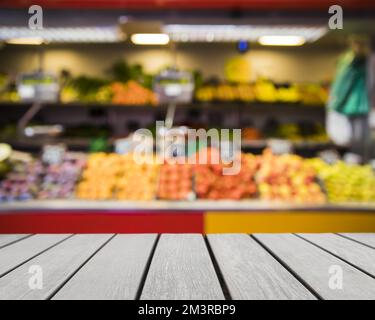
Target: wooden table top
{"type": "Point", "coordinates": [188, 266]}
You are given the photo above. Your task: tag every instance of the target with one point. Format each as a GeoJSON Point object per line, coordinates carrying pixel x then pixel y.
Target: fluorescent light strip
{"type": "Point", "coordinates": [26, 41]}
{"type": "Point", "coordinates": [174, 32]}
{"type": "Point", "coordinates": [281, 40]}
{"type": "Point", "coordinates": [233, 33]}
{"type": "Point", "coordinates": [62, 35]}
{"type": "Point", "coordinates": [150, 39]}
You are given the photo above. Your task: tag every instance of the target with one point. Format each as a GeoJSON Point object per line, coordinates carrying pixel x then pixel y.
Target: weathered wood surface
{"type": "Point", "coordinates": [252, 273]}
{"type": "Point", "coordinates": [352, 252]}
{"type": "Point", "coordinates": [56, 266]}
{"type": "Point", "coordinates": [174, 267]}
{"type": "Point", "coordinates": [8, 239]}
{"type": "Point", "coordinates": [182, 270]}
{"type": "Point", "coordinates": [365, 238]}
{"type": "Point", "coordinates": [16, 254]}
{"type": "Point", "coordinates": [317, 268]}
{"type": "Point", "coordinates": [115, 273]}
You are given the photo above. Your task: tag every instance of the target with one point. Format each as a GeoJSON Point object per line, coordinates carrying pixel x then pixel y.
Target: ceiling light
{"type": "Point", "coordinates": [235, 33]}
{"type": "Point", "coordinates": [25, 41]}
{"type": "Point", "coordinates": [282, 40]}
{"type": "Point", "coordinates": [22, 35]}
{"type": "Point", "coordinates": [150, 38]}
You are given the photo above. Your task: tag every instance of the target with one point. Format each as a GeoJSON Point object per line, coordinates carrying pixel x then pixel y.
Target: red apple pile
{"type": "Point", "coordinates": [287, 178]}
{"type": "Point", "coordinates": [176, 182]}
{"type": "Point", "coordinates": [212, 184]}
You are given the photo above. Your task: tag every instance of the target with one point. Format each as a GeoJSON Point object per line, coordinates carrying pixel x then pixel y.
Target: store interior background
{"type": "Point", "coordinates": [311, 63]}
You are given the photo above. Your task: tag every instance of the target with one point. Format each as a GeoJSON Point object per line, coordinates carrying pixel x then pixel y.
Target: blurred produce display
{"type": "Point", "coordinates": [113, 176]}
{"type": "Point", "coordinates": [250, 134]}
{"type": "Point", "coordinates": [263, 91]}
{"type": "Point", "coordinates": [301, 131]}
{"type": "Point", "coordinates": [22, 183]}
{"type": "Point", "coordinates": [37, 180]}
{"type": "Point", "coordinates": [100, 177]}
{"type": "Point", "coordinates": [59, 181]}
{"type": "Point", "coordinates": [107, 176]}
{"type": "Point", "coordinates": [126, 84]}
{"type": "Point", "coordinates": [8, 91]}
{"type": "Point", "coordinates": [176, 182]}
{"type": "Point", "coordinates": [287, 178]}
{"type": "Point", "coordinates": [137, 181]}
{"type": "Point", "coordinates": [345, 182]}
{"type": "Point", "coordinates": [132, 93]}
{"type": "Point", "coordinates": [83, 89]}
{"type": "Point", "coordinates": [211, 183]}
{"type": "Point", "coordinates": [95, 91]}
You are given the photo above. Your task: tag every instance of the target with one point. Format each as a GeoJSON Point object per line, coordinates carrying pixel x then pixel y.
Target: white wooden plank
{"type": "Point", "coordinates": [251, 273]}
{"type": "Point", "coordinates": [57, 265]}
{"type": "Point", "coordinates": [7, 239]}
{"type": "Point", "coordinates": [365, 238]}
{"type": "Point", "coordinates": [14, 255]}
{"type": "Point", "coordinates": [313, 265]}
{"type": "Point", "coordinates": [114, 273]}
{"type": "Point", "coordinates": [353, 252]}
{"type": "Point", "coordinates": [182, 270]}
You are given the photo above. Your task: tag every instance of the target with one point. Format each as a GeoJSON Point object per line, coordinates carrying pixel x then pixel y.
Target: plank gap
{"type": "Point", "coordinates": [147, 269]}
{"type": "Point", "coordinates": [34, 256]}
{"type": "Point", "coordinates": [354, 240]}
{"type": "Point", "coordinates": [223, 284]}
{"type": "Point", "coordinates": [17, 240]}
{"type": "Point", "coordinates": [78, 269]}
{"type": "Point", "coordinates": [290, 270]}
{"type": "Point", "coordinates": [336, 256]}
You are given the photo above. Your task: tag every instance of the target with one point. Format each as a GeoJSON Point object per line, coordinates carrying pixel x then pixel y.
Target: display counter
{"type": "Point", "coordinates": [76, 216]}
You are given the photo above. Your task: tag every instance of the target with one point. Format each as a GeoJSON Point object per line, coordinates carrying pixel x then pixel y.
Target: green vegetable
{"type": "Point", "coordinates": [5, 152]}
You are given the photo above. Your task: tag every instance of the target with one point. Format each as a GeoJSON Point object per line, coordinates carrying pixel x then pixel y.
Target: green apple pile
{"type": "Point", "coordinates": [346, 183]}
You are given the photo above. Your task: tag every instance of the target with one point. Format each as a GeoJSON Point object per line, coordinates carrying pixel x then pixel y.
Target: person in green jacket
{"type": "Point", "coordinates": [350, 94]}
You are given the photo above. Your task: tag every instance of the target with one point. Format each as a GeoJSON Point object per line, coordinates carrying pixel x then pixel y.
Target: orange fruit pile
{"type": "Point", "coordinates": [100, 177]}
{"type": "Point", "coordinates": [113, 176]}
{"type": "Point", "coordinates": [137, 181]}
{"type": "Point", "coordinates": [132, 93]}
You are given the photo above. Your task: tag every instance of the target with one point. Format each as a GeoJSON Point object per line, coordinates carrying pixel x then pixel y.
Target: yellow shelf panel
{"type": "Point", "coordinates": [288, 222]}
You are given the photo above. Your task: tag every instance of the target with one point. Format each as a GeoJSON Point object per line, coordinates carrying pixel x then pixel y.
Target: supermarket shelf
{"type": "Point", "coordinates": [217, 106]}
{"type": "Point", "coordinates": [185, 206]}
{"type": "Point", "coordinates": [297, 144]}
{"type": "Point", "coordinates": [83, 144]}
{"type": "Point", "coordinates": [72, 143]}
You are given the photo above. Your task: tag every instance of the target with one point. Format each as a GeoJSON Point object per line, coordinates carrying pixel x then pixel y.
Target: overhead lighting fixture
{"type": "Point", "coordinates": [150, 38]}
{"type": "Point", "coordinates": [25, 41]}
{"type": "Point", "coordinates": [235, 33]}
{"type": "Point", "coordinates": [21, 35]}
{"type": "Point", "coordinates": [282, 40]}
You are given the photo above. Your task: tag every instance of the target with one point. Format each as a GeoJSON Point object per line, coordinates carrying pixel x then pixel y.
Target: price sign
{"type": "Point", "coordinates": [372, 164]}
{"type": "Point", "coordinates": [351, 158]}
{"type": "Point", "coordinates": [123, 146]}
{"type": "Point", "coordinates": [329, 156]}
{"type": "Point", "coordinates": [279, 146]}
{"type": "Point", "coordinates": [135, 143]}
{"type": "Point", "coordinates": [53, 154]}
